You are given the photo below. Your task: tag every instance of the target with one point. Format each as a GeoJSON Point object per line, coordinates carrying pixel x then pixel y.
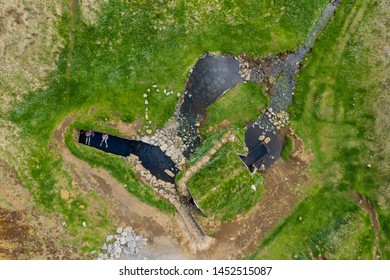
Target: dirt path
{"type": "Point", "coordinates": [122, 206]}
{"type": "Point", "coordinates": [369, 209]}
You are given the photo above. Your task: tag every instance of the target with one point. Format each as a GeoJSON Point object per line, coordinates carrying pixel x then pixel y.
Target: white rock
{"type": "Point", "coordinates": [146, 102]}
{"type": "Point", "coordinates": [145, 95]}
{"type": "Point", "coordinates": [109, 238]}
{"type": "Point", "coordinates": [126, 251]}
{"type": "Point", "coordinates": [129, 238]}
{"type": "Point", "coordinates": [84, 224]}
{"type": "Point", "coordinates": [119, 230]}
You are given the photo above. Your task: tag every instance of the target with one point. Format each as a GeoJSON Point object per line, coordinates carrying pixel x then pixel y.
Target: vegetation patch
{"type": "Point", "coordinates": [223, 187]}
{"type": "Point", "coordinates": [288, 148]}
{"type": "Point", "coordinates": [334, 114]}
{"type": "Point", "coordinates": [237, 107]}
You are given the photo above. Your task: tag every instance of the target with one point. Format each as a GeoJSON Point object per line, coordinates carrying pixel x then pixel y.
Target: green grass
{"type": "Point", "coordinates": [238, 106]}
{"type": "Point", "coordinates": [328, 224]}
{"type": "Point", "coordinates": [288, 148]}
{"type": "Point", "coordinates": [334, 114]}
{"type": "Point", "coordinates": [119, 169]}
{"type": "Point", "coordinates": [138, 44]}
{"type": "Point", "coordinates": [222, 187]}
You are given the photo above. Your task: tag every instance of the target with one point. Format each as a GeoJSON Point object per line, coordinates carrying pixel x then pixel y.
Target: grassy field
{"type": "Point", "coordinates": [334, 113]}
{"type": "Point", "coordinates": [108, 66]}
{"type": "Point", "coordinates": [237, 107]}
{"type": "Point", "coordinates": [222, 187]}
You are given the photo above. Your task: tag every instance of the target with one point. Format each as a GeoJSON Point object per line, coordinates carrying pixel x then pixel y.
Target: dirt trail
{"type": "Point", "coordinates": [369, 209]}
{"type": "Point", "coordinates": [123, 206]}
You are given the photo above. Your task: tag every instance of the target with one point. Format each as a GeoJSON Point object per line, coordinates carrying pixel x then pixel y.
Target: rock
{"type": "Point", "coordinates": [148, 177]}
{"type": "Point", "coordinates": [146, 102]}
{"type": "Point", "coordinates": [124, 233]}
{"type": "Point", "coordinates": [123, 240]}
{"type": "Point", "coordinates": [194, 168]}
{"type": "Point", "coordinates": [109, 238]}
{"type": "Point", "coordinates": [104, 246]}
{"type": "Point", "coordinates": [129, 238]}
{"type": "Point", "coordinates": [169, 172]}
{"type": "Point", "coordinates": [369, 165]}
{"type": "Point", "coordinates": [148, 131]}
{"type": "Point", "coordinates": [267, 140]}
{"type": "Point", "coordinates": [138, 238]}
{"type": "Point", "coordinates": [164, 147]}
{"type": "Point", "coordinates": [145, 95]}
{"type": "Point", "coordinates": [63, 224]}
{"type": "Point", "coordinates": [126, 251]}
{"type": "Point", "coordinates": [175, 156]}
{"type": "Point", "coordinates": [119, 230]}
{"type": "Point", "coordinates": [128, 229]}
{"type": "Point", "coordinates": [131, 244]}
{"type": "Point", "coordinates": [84, 224]}
{"type": "Point", "coordinates": [262, 137]}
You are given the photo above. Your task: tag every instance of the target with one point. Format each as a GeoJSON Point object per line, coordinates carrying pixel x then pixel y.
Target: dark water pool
{"type": "Point", "coordinates": [153, 159]}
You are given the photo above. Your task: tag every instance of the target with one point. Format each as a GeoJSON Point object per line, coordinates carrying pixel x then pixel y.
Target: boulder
{"type": "Point", "coordinates": [267, 140]}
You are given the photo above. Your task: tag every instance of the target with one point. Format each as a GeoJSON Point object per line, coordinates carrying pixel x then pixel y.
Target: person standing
{"type": "Point", "coordinates": [104, 139]}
